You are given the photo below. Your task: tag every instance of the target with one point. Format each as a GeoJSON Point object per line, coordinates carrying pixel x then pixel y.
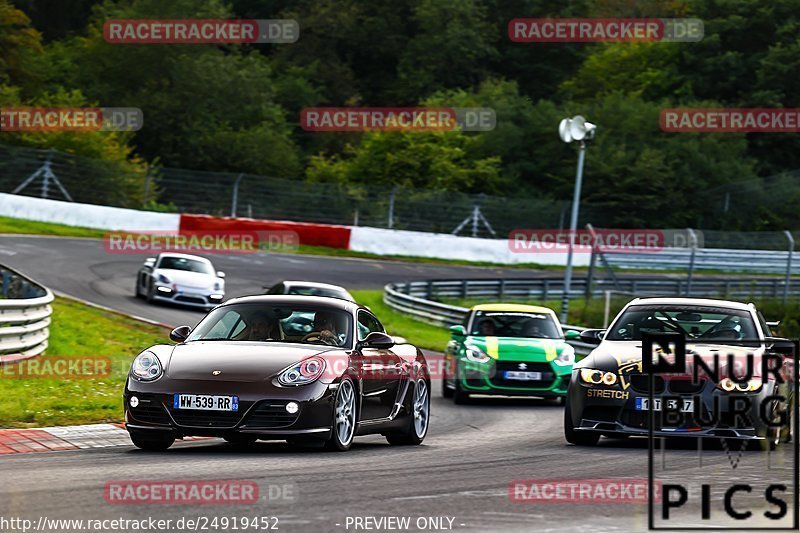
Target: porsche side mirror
{"type": "Point", "coordinates": [572, 335]}
{"type": "Point", "coordinates": [180, 333]}
{"type": "Point", "coordinates": [220, 274]}
{"type": "Point", "coordinates": [377, 340]}
{"type": "Point", "coordinates": [592, 336]}
{"type": "Point", "coordinates": [150, 261]}
{"type": "Point", "coordinates": [458, 330]}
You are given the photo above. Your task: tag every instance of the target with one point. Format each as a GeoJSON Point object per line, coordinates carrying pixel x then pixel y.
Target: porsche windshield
{"type": "Point", "coordinates": [185, 264]}
{"type": "Point", "coordinates": [256, 322]}
{"type": "Point", "coordinates": [694, 322]}
{"type": "Point", "coordinates": [515, 324]}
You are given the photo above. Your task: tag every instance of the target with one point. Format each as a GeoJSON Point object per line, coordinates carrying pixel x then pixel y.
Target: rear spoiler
{"type": "Point", "coordinates": [774, 323]}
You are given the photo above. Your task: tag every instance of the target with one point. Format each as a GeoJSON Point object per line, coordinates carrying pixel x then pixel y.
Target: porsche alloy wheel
{"type": "Point", "coordinates": [344, 417]}
{"type": "Point", "coordinates": [417, 427]}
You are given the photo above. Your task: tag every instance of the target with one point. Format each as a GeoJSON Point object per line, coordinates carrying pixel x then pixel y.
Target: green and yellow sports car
{"type": "Point", "coordinates": [508, 350]}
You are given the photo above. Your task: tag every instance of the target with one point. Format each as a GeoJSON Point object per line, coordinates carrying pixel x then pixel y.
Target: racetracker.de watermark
{"type": "Point", "coordinates": [71, 119]}
{"type": "Point", "coordinates": [581, 491]}
{"type": "Point", "coordinates": [197, 492]}
{"type": "Point", "coordinates": [398, 119]}
{"type": "Point", "coordinates": [586, 30]}
{"type": "Point", "coordinates": [535, 241]}
{"type": "Point", "coordinates": [55, 367]}
{"type": "Point", "coordinates": [190, 31]}
{"type": "Point", "coordinates": [730, 120]}
{"type": "Point", "coordinates": [207, 242]}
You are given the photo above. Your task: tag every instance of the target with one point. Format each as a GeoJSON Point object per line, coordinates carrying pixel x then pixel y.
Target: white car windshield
{"type": "Point", "coordinates": [694, 322]}
{"type": "Point", "coordinates": [185, 264]}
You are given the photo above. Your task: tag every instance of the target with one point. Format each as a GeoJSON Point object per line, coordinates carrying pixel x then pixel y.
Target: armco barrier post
{"type": "Point", "coordinates": [788, 266]}
{"type": "Point", "coordinates": [390, 221]}
{"type": "Point", "coordinates": [693, 245]}
{"type": "Point", "coordinates": [235, 200]}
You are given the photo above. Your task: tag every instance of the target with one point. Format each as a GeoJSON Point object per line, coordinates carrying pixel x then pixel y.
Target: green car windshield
{"type": "Point", "coordinates": [515, 324]}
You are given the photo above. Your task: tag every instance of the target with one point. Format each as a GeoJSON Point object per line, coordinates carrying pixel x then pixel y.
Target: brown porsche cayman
{"type": "Point", "coordinates": [295, 368]}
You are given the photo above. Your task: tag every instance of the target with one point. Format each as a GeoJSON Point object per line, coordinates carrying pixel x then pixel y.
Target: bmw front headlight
{"type": "Point", "coordinates": [146, 367]}
{"type": "Point", "coordinates": [303, 373]}
{"type": "Point", "coordinates": [592, 376]}
{"type": "Point", "coordinates": [476, 355]}
{"type": "Point", "coordinates": [728, 385]}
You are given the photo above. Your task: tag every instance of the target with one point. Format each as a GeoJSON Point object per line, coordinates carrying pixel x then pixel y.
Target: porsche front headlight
{"type": "Point", "coordinates": [303, 373]}
{"type": "Point", "coordinates": [146, 367]}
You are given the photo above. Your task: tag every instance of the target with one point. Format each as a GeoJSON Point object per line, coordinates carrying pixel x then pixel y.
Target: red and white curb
{"type": "Point", "coordinates": [61, 438]}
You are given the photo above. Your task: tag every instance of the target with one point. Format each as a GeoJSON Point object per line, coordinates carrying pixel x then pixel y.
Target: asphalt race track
{"type": "Point", "coordinates": [461, 472]}
{"type": "Point", "coordinates": [82, 268]}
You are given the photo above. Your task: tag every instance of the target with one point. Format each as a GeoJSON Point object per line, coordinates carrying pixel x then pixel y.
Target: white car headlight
{"type": "Point", "coordinates": [161, 278]}
{"type": "Point", "coordinates": [218, 286]}
{"type": "Point", "coordinates": [566, 357]}
{"type": "Point", "coordinates": [476, 355]}
{"type": "Point", "coordinates": [146, 367]}
{"type": "Point", "coordinates": [303, 373]}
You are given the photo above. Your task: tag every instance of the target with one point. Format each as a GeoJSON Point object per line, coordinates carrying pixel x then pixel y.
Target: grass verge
{"type": "Point", "coordinates": [414, 331]}
{"type": "Point", "coordinates": [82, 332]}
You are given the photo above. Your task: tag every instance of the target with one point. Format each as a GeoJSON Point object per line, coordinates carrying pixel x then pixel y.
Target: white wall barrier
{"type": "Point", "coordinates": [86, 215]}
{"type": "Point", "coordinates": [445, 246]}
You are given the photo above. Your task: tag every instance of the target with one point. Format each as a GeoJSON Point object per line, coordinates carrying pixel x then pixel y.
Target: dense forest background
{"type": "Point", "coordinates": [236, 108]}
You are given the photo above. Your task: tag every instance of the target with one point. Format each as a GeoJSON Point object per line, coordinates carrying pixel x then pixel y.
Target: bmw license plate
{"type": "Point", "coordinates": [523, 376]}
{"type": "Point", "coordinates": [643, 403]}
{"type": "Point", "coordinates": [203, 402]}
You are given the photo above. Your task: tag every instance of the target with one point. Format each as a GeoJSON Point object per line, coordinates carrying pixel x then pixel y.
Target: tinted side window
{"type": "Point", "coordinates": [367, 323]}
{"type": "Point", "coordinates": [228, 326]}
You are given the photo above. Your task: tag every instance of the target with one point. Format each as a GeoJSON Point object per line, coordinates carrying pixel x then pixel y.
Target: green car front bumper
{"type": "Point", "coordinates": [492, 378]}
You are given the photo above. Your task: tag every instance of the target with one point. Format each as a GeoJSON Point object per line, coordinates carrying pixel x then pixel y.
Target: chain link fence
{"type": "Point", "coordinates": [59, 175]}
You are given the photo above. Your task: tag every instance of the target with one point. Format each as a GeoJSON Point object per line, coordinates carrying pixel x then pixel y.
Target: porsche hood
{"type": "Point", "coordinates": [237, 361]}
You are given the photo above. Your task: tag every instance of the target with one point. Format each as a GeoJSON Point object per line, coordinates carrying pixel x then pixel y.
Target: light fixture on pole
{"type": "Point", "coordinates": [574, 129]}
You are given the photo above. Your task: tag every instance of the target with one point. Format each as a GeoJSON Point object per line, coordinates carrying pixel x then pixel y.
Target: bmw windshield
{"type": "Point", "coordinates": [694, 322]}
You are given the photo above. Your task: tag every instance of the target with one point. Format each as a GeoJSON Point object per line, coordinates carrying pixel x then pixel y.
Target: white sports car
{"type": "Point", "coordinates": [182, 279]}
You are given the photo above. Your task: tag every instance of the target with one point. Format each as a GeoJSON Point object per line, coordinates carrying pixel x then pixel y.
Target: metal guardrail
{"type": "Point", "coordinates": [545, 288]}
{"type": "Point", "coordinates": [417, 298]}
{"type": "Point", "coordinates": [398, 296]}
{"type": "Point", "coordinates": [25, 313]}
{"type": "Point", "coordinates": [729, 260]}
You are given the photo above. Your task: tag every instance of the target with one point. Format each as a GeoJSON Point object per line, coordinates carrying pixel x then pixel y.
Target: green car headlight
{"type": "Point", "coordinates": [476, 355]}
{"type": "Point", "coordinates": [593, 376]}
{"type": "Point", "coordinates": [566, 357]}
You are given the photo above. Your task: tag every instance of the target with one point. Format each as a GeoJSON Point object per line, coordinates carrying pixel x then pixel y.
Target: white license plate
{"type": "Point", "coordinates": [204, 402]}
{"type": "Point", "coordinates": [642, 404]}
{"type": "Point", "coordinates": [523, 376]}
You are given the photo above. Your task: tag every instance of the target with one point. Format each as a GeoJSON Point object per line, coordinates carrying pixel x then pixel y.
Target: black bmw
{"type": "Point", "coordinates": [609, 392]}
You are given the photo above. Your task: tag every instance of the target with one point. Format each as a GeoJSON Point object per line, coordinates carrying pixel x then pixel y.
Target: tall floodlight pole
{"type": "Point", "coordinates": [574, 129]}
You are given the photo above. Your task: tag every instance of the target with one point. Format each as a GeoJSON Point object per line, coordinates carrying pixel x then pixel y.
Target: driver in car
{"type": "Point", "coordinates": [265, 328]}
{"type": "Point", "coordinates": [325, 325]}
